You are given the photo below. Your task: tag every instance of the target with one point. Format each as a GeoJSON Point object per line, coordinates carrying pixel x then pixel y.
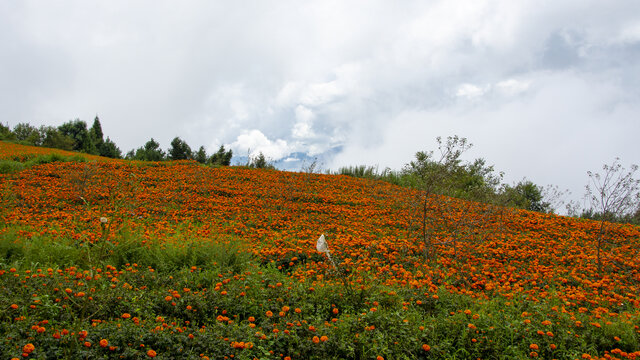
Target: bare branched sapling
{"type": "Point", "coordinates": [613, 194]}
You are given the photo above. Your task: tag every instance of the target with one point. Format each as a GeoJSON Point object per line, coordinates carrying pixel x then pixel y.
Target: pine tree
{"type": "Point", "coordinates": [179, 150]}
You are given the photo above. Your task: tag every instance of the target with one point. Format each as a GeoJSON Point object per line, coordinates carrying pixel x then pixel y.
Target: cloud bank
{"type": "Point", "coordinates": [544, 89]}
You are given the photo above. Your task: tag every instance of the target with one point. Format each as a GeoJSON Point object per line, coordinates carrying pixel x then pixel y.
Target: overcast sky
{"type": "Point", "coordinates": [543, 89]}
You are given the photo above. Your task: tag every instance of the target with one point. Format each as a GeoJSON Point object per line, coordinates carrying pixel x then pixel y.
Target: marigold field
{"type": "Point", "coordinates": [104, 258]}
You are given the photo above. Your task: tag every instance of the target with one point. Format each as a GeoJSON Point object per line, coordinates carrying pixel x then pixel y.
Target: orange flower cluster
{"type": "Point", "coordinates": [23, 152]}
{"type": "Point", "coordinates": [279, 215]}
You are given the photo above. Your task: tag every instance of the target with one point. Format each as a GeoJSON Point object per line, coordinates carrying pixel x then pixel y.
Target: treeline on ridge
{"type": "Point", "coordinates": [475, 181]}
{"type": "Point", "coordinates": [74, 135]}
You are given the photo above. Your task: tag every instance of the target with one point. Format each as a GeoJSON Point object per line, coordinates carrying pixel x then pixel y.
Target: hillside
{"type": "Point", "coordinates": [539, 266]}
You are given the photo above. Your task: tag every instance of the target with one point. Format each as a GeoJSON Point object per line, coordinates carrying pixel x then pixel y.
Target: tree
{"type": "Point", "coordinates": [109, 149]}
{"type": "Point", "coordinates": [77, 130]}
{"type": "Point", "coordinates": [260, 162]}
{"type": "Point", "coordinates": [53, 138]}
{"type": "Point", "coordinates": [151, 151]}
{"type": "Point", "coordinates": [474, 181]}
{"type": "Point", "coordinates": [200, 155]}
{"type": "Point", "coordinates": [431, 175]}
{"type": "Point", "coordinates": [96, 136]}
{"type": "Point", "coordinates": [6, 133]}
{"type": "Point", "coordinates": [613, 194]}
{"type": "Point", "coordinates": [526, 195]}
{"type": "Point", "coordinates": [222, 157]}
{"type": "Point", "coordinates": [179, 150]}
{"type": "Point", "coordinates": [27, 134]}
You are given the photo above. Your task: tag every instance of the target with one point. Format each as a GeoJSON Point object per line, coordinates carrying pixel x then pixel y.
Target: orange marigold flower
{"type": "Point", "coordinates": [269, 313]}
{"type": "Point", "coordinates": [14, 306]}
{"type": "Point", "coordinates": [104, 343]}
{"type": "Point", "coordinates": [426, 347]}
{"type": "Point", "coordinates": [28, 348]}
{"type": "Point", "coordinates": [316, 339]}
{"type": "Point", "coordinates": [151, 353]}
{"type": "Point", "coordinates": [533, 346]}
{"type": "Point", "coordinates": [324, 338]}
{"type": "Point", "coordinates": [126, 316]}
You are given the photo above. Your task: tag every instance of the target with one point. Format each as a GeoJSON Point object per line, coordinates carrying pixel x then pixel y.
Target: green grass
{"type": "Point", "coordinates": [10, 166]}
{"type": "Point", "coordinates": [218, 282]}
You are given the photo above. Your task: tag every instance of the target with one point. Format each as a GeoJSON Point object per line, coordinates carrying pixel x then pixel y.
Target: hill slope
{"type": "Point", "coordinates": [373, 231]}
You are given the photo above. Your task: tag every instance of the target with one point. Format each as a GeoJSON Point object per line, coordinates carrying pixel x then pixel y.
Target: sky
{"type": "Point", "coordinates": [546, 90]}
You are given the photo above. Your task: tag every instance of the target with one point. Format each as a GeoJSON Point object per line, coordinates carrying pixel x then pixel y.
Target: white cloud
{"type": "Point", "coordinates": [369, 77]}
{"type": "Point", "coordinates": [512, 86]}
{"type": "Point", "coordinates": [317, 94]}
{"type": "Point", "coordinates": [630, 33]}
{"type": "Point", "coordinates": [471, 91]}
{"type": "Point", "coordinates": [302, 129]}
{"type": "Point", "coordinates": [254, 142]}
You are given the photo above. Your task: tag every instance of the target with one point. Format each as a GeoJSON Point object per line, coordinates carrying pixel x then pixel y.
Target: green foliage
{"type": "Point", "coordinates": [9, 166]}
{"type": "Point", "coordinates": [188, 302]}
{"type": "Point", "coordinates": [100, 146]}
{"type": "Point", "coordinates": [109, 149]}
{"type": "Point", "coordinates": [630, 218]}
{"type": "Point", "coordinates": [151, 151]}
{"type": "Point", "coordinates": [96, 132]}
{"type": "Point", "coordinates": [222, 157]}
{"type": "Point", "coordinates": [200, 155]}
{"type": "Point", "coordinates": [179, 150]}
{"type": "Point", "coordinates": [260, 162]}
{"type": "Point", "coordinates": [71, 136]}
{"type": "Point", "coordinates": [27, 134]}
{"type": "Point", "coordinates": [77, 130]}
{"type": "Point", "coordinates": [53, 138]}
{"type": "Point", "coordinates": [359, 171]}
{"type": "Point", "coordinates": [5, 133]}
{"type": "Point", "coordinates": [525, 195]}
{"type": "Point", "coordinates": [445, 173]}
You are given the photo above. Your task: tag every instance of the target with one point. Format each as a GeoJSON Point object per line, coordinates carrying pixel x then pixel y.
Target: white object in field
{"type": "Point", "coordinates": [322, 245]}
